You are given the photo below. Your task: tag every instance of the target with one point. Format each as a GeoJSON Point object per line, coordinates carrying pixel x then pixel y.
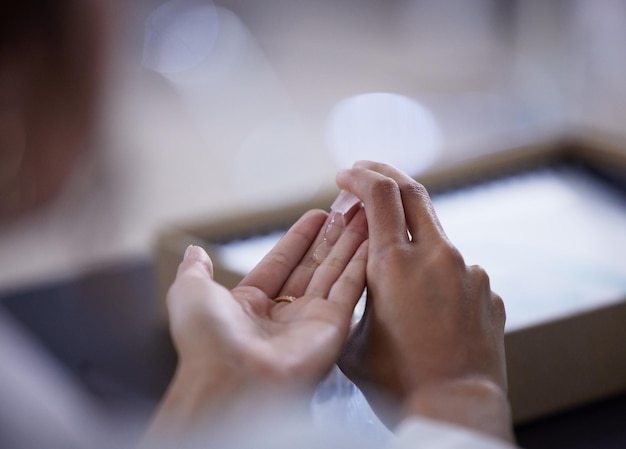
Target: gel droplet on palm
{"type": "Point", "coordinates": [336, 224]}
{"type": "Point", "coordinates": [334, 228]}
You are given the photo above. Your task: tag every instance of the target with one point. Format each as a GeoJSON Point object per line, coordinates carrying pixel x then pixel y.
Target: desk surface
{"type": "Point", "coordinates": [103, 327]}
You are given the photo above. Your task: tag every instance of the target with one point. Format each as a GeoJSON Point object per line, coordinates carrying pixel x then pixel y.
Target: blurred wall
{"type": "Point", "coordinates": [210, 108]}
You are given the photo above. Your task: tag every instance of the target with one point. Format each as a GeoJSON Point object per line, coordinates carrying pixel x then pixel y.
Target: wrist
{"type": "Point", "coordinates": [194, 396]}
{"type": "Point", "coordinates": [208, 400]}
{"type": "Point", "coordinates": [477, 404]}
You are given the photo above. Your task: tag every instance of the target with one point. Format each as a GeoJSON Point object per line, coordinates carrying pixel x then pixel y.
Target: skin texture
{"type": "Point", "coordinates": [237, 347]}
{"type": "Point", "coordinates": [431, 341]}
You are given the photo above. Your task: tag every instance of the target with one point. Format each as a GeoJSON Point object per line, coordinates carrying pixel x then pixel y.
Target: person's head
{"type": "Point", "coordinates": [50, 60]}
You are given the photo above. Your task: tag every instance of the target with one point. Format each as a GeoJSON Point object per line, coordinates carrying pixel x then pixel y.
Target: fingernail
{"type": "Point", "coordinates": [188, 252]}
{"type": "Point", "coordinates": [344, 202]}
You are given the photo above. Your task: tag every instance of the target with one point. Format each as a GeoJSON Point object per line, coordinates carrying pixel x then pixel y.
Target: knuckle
{"type": "Point", "coordinates": [333, 264]}
{"type": "Point", "coordinates": [279, 259]}
{"type": "Point", "coordinates": [392, 258]}
{"type": "Point", "coordinates": [189, 279]}
{"type": "Point", "coordinates": [352, 282]}
{"type": "Point", "coordinates": [416, 189]}
{"type": "Point", "coordinates": [448, 255]}
{"type": "Point", "coordinates": [455, 255]}
{"type": "Point", "coordinates": [498, 308]}
{"type": "Point", "coordinates": [480, 276]}
{"type": "Point", "coordinates": [371, 165]}
{"type": "Point", "coordinates": [382, 188]}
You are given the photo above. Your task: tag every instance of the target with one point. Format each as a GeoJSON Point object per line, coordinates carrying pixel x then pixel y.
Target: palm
{"type": "Point", "coordinates": [277, 340]}
{"type": "Point", "coordinates": [308, 332]}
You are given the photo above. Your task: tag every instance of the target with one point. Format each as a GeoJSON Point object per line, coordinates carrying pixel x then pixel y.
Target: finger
{"type": "Point", "coordinates": [318, 251]}
{"type": "Point", "coordinates": [349, 287]}
{"type": "Point", "coordinates": [272, 272]}
{"type": "Point", "coordinates": [418, 207]}
{"type": "Point", "coordinates": [196, 258]}
{"type": "Point", "coordinates": [383, 205]}
{"type": "Point", "coordinates": [195, 266]}
{"type": "Point", "coordinates": [340, 255]}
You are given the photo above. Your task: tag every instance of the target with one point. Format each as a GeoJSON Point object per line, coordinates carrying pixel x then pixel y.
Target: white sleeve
{"type": "Point", "coordinates": [416, 432]}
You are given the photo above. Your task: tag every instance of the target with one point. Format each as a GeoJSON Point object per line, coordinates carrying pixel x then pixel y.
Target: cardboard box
{"type": "Point", "coordinates": [553, 365]}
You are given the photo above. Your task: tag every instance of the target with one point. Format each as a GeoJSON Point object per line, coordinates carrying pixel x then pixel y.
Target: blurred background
{"type": "Point", "coordinates": [210, 108]}
{"type": "Point", "coordinates": [200, 109]}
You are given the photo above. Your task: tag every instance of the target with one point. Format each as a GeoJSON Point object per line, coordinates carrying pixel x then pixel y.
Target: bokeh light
{"type": "Point", "coordinates": [179, 35]}
{"type": "Point", "coordinates": [385, 127]}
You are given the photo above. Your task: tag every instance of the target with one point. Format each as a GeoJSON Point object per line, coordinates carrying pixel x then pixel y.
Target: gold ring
{"type": "Point", "coordinates": [285, 298]}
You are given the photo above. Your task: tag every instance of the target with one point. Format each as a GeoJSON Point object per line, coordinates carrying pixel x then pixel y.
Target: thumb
{"type": "Point", "coordinates": [196, 258]}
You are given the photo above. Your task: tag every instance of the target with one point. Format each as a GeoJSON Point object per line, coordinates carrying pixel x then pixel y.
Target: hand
{"type": "Point", "coordinates": [237, 341]}
{"type": "Point", "coordinates": [431, 341]}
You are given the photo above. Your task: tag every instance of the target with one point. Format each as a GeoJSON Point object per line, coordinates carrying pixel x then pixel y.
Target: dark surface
{"type": "Point", "coordinates": [599, 425]}
{"type": "Point", "coordinates": [104, 326]}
